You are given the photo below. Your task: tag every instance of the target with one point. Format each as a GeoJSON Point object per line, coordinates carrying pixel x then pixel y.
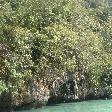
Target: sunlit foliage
{"type": "Point", "coordinates": [63, 35]}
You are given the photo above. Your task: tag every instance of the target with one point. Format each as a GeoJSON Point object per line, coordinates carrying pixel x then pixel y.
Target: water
{"type": "Point", "coordinates": [85, 106]}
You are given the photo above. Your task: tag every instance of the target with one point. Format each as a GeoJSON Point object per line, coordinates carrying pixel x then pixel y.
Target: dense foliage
{"type": "Point", "coordinates": [63, 36]}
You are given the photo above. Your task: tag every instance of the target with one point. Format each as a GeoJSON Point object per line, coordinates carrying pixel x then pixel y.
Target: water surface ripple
{"type": "Point", "coordinates": [85, 106]}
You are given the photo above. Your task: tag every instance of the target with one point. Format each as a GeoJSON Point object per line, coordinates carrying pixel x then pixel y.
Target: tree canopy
{"type": "Point", "coordinates": [58, 35]}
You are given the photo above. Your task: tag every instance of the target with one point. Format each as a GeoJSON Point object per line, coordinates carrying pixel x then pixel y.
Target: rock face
{"type": "Point", "coordinates": [73, 88]}
{"type": "Point", "coordinates": [38, 93]}
{"type": "Point", "coordinates": [69, 89]}
{"type": "Point", "coordinates": [34, 95]}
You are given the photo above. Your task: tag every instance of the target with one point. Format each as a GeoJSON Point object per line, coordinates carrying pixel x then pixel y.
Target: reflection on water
{"type": "Point", "coordinates": [85, 106]}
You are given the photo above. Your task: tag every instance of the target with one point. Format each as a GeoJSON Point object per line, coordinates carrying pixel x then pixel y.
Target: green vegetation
{"type": "Point", "coordinates": [63, 36]}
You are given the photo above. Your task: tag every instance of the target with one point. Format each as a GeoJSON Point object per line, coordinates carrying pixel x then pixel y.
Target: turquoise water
{"type": "Point", "coordinates": [85, 106]}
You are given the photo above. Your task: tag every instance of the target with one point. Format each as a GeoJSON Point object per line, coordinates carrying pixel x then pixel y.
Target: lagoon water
{"type": "Point", "coordinates": [84, 106]}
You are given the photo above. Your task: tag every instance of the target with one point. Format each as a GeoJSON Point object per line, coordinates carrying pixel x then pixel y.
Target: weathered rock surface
{"type": "Point", "coordinates": [36, 94]}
